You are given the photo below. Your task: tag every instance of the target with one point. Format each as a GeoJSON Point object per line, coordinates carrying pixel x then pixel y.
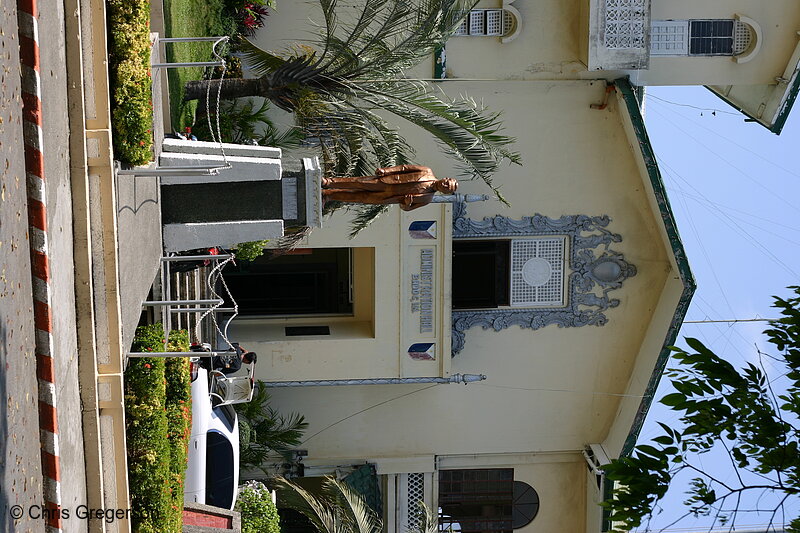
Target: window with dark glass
{"type": "Point", "coordinates": [711, 37]}
{"type": "Point", "coordinates": [476, 501]}
{"type": "Point", "coordinates": [306, 281]}
{"type": "Point", "coordinates": [219, 471]}
{"type": "Point", "coordinates": [480, 274]}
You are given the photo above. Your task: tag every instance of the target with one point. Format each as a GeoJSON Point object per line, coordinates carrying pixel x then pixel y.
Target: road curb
{"type": "Point", "coordinates": [97, 289]}
{"type": "Point", "coordinates": [27, 16]}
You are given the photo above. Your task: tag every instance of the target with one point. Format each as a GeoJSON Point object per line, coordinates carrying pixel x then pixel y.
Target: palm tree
{"type": "Point", "coordinates": [263, 432]}
{"type": "Point", "coordinates": [338, 85]}
{"type": "Point", "coordinates": [337, 508]}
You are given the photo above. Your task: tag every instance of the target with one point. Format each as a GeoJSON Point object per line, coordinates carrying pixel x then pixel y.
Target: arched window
{"type": "Point", "coordinates": [487, 23]}
{"type": "Point", "coordinates": [706, 37]}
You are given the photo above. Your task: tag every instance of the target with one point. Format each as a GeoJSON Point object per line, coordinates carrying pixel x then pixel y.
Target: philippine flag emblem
{"type": "Point", "coordinates": [422, 351]}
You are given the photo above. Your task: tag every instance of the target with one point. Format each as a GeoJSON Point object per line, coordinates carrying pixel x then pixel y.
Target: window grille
{"type": "Point", "coordinates": [463, 28]}
{"type": "Point", "coordinates": [494, 22]}
{"type": "Point", "coordinates": [486, 22]}
{"type": "Point", "coordinates": [537, 272]}
{"type": "Point", "coordinates": [742, 36]}
{"type": "Point", "coordinates": [477, 22]}
{"type": "Point", "coordinates": [669, 38]}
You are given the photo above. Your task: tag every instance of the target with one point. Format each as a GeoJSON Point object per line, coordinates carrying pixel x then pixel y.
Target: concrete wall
{"type": "Point", "coordinates": [568, 380]}
{"type": "Point", "coordinates": [553, 43]}
{"type": "Point", "coordinates": [779, 21]}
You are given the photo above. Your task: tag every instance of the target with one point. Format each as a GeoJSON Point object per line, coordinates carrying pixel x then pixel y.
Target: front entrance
{"type": "Point", "coordinates": [303, 282]}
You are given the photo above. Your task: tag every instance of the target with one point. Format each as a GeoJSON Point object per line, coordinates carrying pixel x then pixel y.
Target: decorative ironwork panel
{"type": "Point", "coordinates": [537, 272]}
{"type": "Point", "coordinates": [594, 271]}
{"type": "Point", "coordinates": [626, 24]}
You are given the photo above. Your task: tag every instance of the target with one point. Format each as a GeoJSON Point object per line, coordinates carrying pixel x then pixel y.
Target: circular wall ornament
{"type": "Point", "coordinates": [525, 506]}
{"type": "Point", "coordinates": [537, 271]}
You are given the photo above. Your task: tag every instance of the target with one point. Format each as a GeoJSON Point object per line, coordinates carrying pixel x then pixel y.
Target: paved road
{"type": "Point", "coordinates": [20, 461]}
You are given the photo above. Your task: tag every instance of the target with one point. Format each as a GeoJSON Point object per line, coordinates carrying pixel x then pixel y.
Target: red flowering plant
{"type": "Point", "coordinates": [249, 14]}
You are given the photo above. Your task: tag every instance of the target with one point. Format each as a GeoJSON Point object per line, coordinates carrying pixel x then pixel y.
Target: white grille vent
{"type": "Point", "coordinates": [463, 28]}
{"type": "Point", "coordinates": [626, 21]}
{"type": "Point", "coordinates": [537, 272]}
{"type": "Point", "coordinates": [416, 494]}
{"type": "Point", "coordinates": [494, 22]}
{"type": "Point", "coordinates": [669, 38]}
{"type": "Point", "coordinates": [477, 22]}
{"type": "Point", "coordinates": [741, 37]}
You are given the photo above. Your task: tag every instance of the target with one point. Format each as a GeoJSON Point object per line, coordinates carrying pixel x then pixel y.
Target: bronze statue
{"type": "Point", "coordinates": [411, 186]}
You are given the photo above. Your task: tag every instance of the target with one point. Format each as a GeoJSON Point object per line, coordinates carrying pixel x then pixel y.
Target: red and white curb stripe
{"type": "Point", "coordinates": [27, 14]}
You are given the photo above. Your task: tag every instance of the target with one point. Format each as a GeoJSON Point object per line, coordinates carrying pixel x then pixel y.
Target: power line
{"type": "Point", "coordinates": [713, 110]}
{"type": "Point", "coordinates": [729, 163]}
{"type": "Point", "coordinates": [742, 147]}
{"type": "Point", "coordinates": [730, 320]}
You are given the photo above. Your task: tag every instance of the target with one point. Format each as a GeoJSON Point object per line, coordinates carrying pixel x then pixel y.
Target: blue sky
{"type": "Point", "coordinates": [733, 187]}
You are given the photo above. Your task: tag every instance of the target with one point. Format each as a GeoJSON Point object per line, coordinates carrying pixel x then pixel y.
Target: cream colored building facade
{"type": "Point", "coordinates": [566, 301]}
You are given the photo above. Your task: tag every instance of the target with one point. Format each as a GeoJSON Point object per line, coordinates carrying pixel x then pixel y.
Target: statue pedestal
{"type": "Point", "coordinates": [254, 199]}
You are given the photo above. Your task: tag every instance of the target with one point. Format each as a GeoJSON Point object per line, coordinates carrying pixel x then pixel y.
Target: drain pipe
{"type": "Point", "coordinates": [455, 378]}
{"type": "Point", "coordinates": [28, 27]}
{"type": "Point", "coordinates": [609, 89]}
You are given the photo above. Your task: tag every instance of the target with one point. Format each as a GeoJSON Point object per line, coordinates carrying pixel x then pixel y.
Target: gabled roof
{"type": "Point", "coordinates": [632, 105]}
{"type": "Point", "coordinates": [780, 95]}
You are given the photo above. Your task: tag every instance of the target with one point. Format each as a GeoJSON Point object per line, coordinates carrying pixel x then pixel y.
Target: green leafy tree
{"type": "Point", "coordinates": [735, 413]}
{"type": "Point", "coordinates": [341, 84]}
{"type": "Point", "coordinates": [263, 432]}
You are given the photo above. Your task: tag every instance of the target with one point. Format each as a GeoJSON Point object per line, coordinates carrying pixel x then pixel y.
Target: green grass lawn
{"type": "Point", "coordinates": [191, 18]}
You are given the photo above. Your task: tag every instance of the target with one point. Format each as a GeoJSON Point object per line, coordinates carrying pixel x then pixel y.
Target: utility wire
{"type": "Point", "coordinates": [740, 230]}
{"type": "Point", "coordinates": [742, 147]}
{"type": "Point", "coordinates": [730, 320]}
{"type": "Point", "coordinates": [725, 160]}
{"type": "Point", "coordinates": [713, 110]}
{"type": "Point", "coordinates": [326, 428]}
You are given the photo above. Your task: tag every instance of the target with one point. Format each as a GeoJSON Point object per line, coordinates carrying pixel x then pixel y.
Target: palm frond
{"type": "Point", "coordinates": [322, 515]}
{"type": "Point", "coordinates": [359, 513]}
{"type": "Point", "coordinates": [260, 61]}
{"type": "Point", "coordinates": [464, 129]}
{"type": "Point", "coordinates": [428, 522]}
{"type": "Point", "coordinates": [366, 214]}
{"type": "Point", "coordinates": [390, 36]}
{"type": "Point", "coordinates": [337, 509]}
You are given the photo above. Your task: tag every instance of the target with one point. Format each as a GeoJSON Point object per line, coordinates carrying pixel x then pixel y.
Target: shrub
{"type": "Point", "coordinates": [129, 78]}
{"type": "Point", "coordinates": [158, 423]}
{"type": "Point", "coordinates": [250, 251]}
{"type": "Point", "coordinates": [259, 514]}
